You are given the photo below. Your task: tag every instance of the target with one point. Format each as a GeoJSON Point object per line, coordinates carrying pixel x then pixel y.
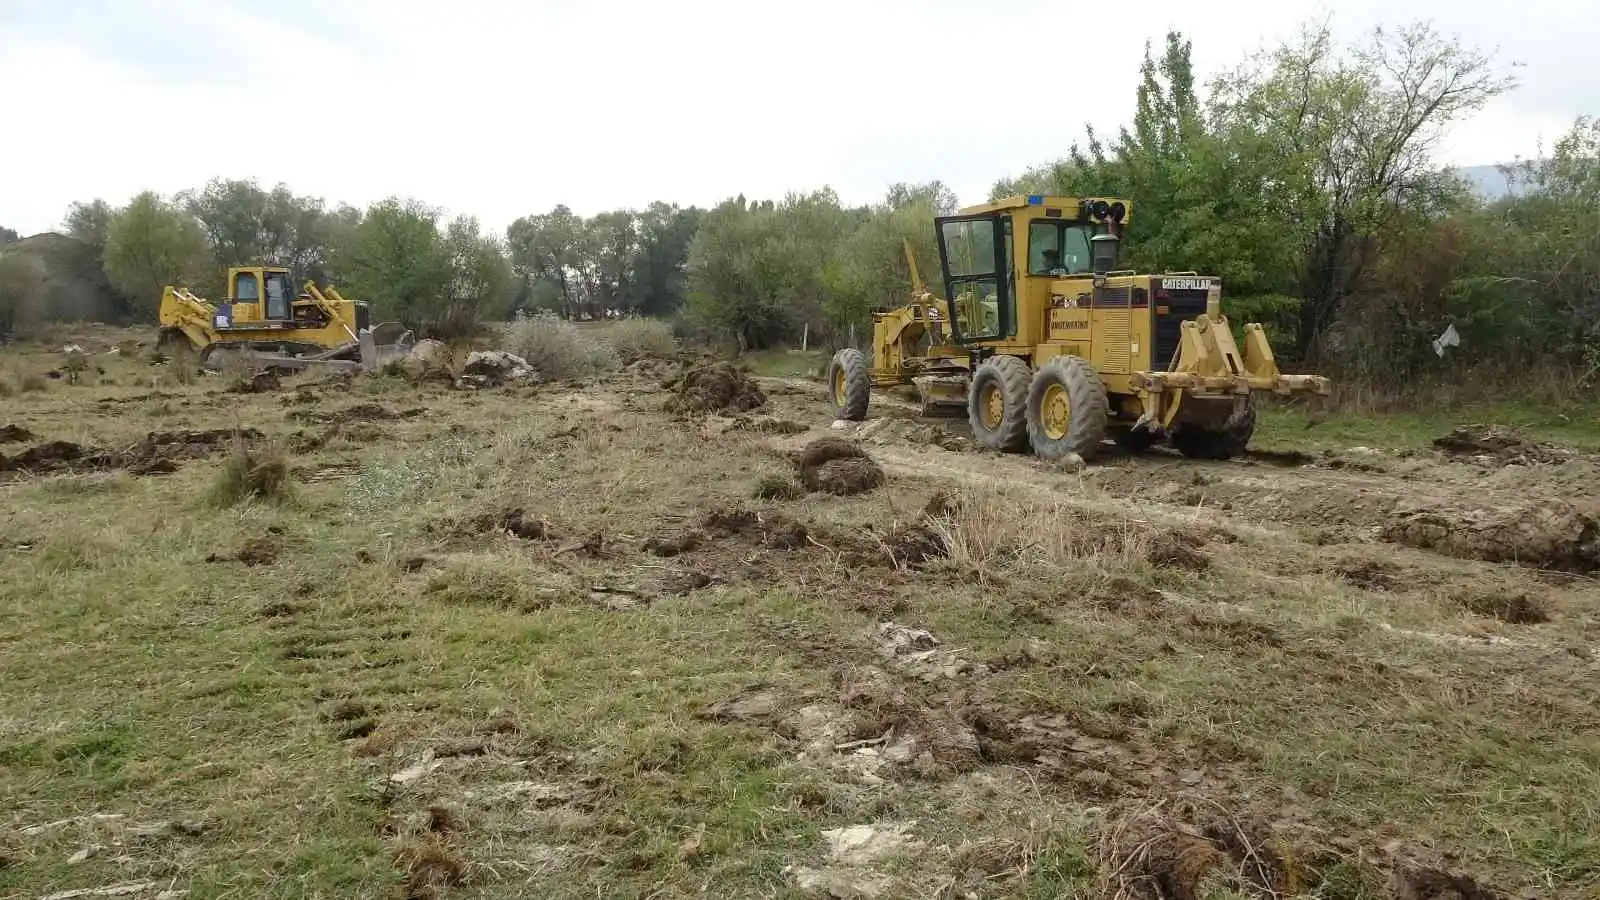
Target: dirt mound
{"type": "Point", "coordinates": [515, 522]}
{"type": "Point", "coordinates": [158, 454]}
{"type": "Point", "coordinates": [714, 387]}
{"type": "Point", "coordinates": [15, 434]}
{"type": "Point", "coordinates": [774, 531]}
{"type": "Point", "coordinates": [1547, 534]}
{"type": "Point", "coordinates": [834, 465]}
{"type": "Point", "coordinates": [1496, 445]}
{"type": "Point", "coordinates": [1178, 550]}
{"type": "Point", "coordinates": [361, 412]}
{"type": "Point", "coordinates": [1153, 855]}
{"type": "Point", "coordinates": [1510, 607]}
{"type": "Point", "coordinates": [259, 551]}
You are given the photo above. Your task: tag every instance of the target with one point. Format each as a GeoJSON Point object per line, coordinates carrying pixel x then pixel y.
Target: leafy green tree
{"type": "Point", "coordinates": [481, 279]}
{"type": "Point", "coordinates": [759, 271]}
{"type": "Point", "coordinates": [546, 248]}
{"type": "Point", "coordinates": [8, 236]}
{"type": "Point", "coordinates": [89, 222]}
{"type": "Point", "coordinates": [660, 263]}
{"type": "Point", "coordinates": [1349, 137]}
{"type": "Point", "coordinates": [151, 243]}
{"type": "Point", "coordinates": [397, 260]}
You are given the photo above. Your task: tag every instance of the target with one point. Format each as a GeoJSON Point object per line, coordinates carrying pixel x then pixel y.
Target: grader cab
{"type": "Point", "coordinates": [1050, 346]}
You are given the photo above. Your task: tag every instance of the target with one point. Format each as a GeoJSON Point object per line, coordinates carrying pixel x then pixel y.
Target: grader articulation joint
{"type": "Point", "coordinates": [1047, 345]}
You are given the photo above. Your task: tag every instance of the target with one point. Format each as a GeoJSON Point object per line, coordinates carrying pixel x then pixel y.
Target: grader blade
{"type": "Point", "coordinates": [942, 396]}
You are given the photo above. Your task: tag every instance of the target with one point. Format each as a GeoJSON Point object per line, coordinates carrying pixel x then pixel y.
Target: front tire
{"type": "Point", "coordinates": [849, 385]}
{"type": "Point", "coordinates": [1218, 443]}
{"type": "Point", "coordinates": [1066, 409]}
{"type": "Point", "coordinates": [997, 404]}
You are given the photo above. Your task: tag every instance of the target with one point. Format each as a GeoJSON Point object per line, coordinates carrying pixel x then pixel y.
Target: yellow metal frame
{"type": "Point", "coordinates": [195, 316]}
{"type": "Point", "coordinates": [1055, 316]}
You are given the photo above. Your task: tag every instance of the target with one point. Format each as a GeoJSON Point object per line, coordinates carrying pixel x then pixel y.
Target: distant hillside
{"type": "Point", "coordinates": [74, 285]}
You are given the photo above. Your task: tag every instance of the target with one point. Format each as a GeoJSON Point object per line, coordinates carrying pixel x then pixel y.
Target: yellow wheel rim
{"type": "Point", "coordinates": [1055, 412]}
{"type": "Point", "coordinates": [838, 388]}
{"type": "Point", "coordinates": [994, 407]}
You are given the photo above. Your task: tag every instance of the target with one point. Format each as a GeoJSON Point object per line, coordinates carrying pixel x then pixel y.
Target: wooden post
{"type": "Point", "coordinates": [805, 338]}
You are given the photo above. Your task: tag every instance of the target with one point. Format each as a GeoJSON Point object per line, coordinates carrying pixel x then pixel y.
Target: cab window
{"type": "Point", "coordinates": [280, 295]}
{"type": "Point", "coordinates": [977, 284]}
{"type": "Point", "coordinates": [245, 288]}
{"type": "Point", "coordinates": [1058, 248]}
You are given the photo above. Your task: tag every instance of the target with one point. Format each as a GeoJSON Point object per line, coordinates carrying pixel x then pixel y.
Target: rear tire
{"type": "Point", "coordinates": [997, 404]}
{"type": "Point", "coordinates": [1218, 443]}
{"type": "Point", "coordinates": [849, 385]}
{"type": "Point", "coordinates": [1066, 409]}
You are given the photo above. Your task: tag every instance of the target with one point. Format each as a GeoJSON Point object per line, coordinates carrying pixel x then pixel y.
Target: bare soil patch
{"type": "Point", "coordinates": [714, 387]}
{"type": "Point", "coordinates": [1500, 446]}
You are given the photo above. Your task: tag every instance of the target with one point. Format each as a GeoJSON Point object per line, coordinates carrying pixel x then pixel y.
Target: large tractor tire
{"type": "Point", "coordinates": [1066, 409]}
{"type": "Point", "coordinates": [1218, 443]}
{"type": "Point", "coordinates": [849, 385]}
{"type": "Point", "coordinates": [997, 404]}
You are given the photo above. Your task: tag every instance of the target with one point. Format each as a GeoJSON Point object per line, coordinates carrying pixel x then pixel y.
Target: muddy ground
{"type": "Point", "coordinates": [673, 632]}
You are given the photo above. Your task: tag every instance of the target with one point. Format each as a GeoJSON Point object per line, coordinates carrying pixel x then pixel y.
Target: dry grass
{"type": "Point", "coordinates": [558, 349]}
{"type": "Point", "coordinates": [291, 727]}
{"type": "Point", "coordinates": [635, 339]}
{"type": "Point", "coordinates": [248, 473]}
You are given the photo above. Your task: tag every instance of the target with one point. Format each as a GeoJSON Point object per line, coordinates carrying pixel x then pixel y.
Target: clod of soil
{"type": "Point", "coordinates": [264, 382]}
{"type": "Point", "coordinates": [429, 868]}
{"type": "Point", "coordinates": [442, 821]}
{"type": "Point", "coordinates": [1178, 550]}
{"type": "Point", "coordinates": [516, 522]}
{"type": "Point", "coordinates": [261, 551]}
{"type": "Point", "coordinates": [1155, 856]}
{"type": "Point", "coordinates": [1432, 884]}
{"type": "Point", "coordinates": [14, 434]}
{"type": "Point", "coordinates": [1549, 534]}
{"type": "Point", "coordinates": [1368, 574]}
{"type": "Point", "coordinates": [714, 387]}
{"type": "Point", "coordinates": [361, 412]}
{"type": "Point", "coordinates": [673, 545]}
{"type": "Point", "coordinates": [46, 457]}
{"type": "Point", "coordinates": [158, 454]}
{"type": "Point", "coordinates": [906, 547]}
{"type": "Point", "coordinates": [834, 465]}
{"type": "Point", "coordinates": [1499, 446]}
{"type": "Point", "coordinates": [1513, 608]}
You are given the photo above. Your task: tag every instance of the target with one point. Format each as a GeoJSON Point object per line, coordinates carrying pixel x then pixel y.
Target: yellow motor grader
{"type": "Point", "coordinates": [1049, 346]}
{"type": "Point", "coordinates": [264, 321]}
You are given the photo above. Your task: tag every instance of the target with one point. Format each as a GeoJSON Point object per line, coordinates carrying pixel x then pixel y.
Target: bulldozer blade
{"type": "Point", "coordinates": [942, 396]}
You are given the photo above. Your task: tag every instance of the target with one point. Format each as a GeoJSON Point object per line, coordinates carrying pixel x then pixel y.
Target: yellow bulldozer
{"type": "Point", "coordinates": [1049, 346]}
{"type": "Point", "coordinates": [265, 322]}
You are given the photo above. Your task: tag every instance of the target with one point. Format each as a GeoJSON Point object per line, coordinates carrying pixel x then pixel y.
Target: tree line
{"type": "Point", "coordinates": [1306, 178]}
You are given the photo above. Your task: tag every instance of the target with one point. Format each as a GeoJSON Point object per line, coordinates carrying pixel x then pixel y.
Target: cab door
{"type": "Point", "coordinates": [974, 256]}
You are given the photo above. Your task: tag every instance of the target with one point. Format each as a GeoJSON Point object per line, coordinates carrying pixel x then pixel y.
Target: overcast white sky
{"type": "Point", "coordinates": [501, 108]}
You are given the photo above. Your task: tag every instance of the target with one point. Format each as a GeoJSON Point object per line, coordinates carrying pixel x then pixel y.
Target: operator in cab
{"type": "Point", "coordinates": [1052, 264]}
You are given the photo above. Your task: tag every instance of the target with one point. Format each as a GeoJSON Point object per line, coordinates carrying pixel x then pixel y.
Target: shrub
{"type": "Point", "coordinates": [635, 339]}
{"type": "Point", "coordinates": [248, 473]}
{"type": "Point", "coordinates": [559, 349]}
